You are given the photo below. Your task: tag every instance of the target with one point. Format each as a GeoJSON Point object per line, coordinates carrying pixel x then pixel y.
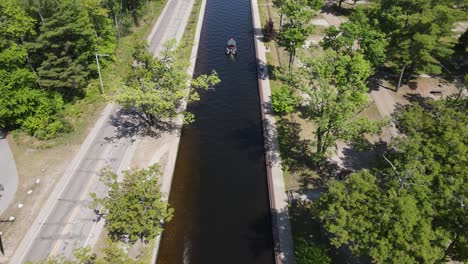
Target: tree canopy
{"type": "Point", "coordinates": [62, 53]}
{"type": "Point", "coordinates": [412, 210]}
{"type": "Point", "coordinates": [157, 87]}
{"type": "Point", "coordinates": [295, 32]}
{"type": "Point", "coordinates": [335, 92]}
{"type": "Point", "coordinates": [419, 32]}
{"type": "Point", "coordinates": [47, 56]}
{"type": "Point", "coordinates": [23, 103]}
{"type": "Point", "coordinates": [135, 206]}
{"type": "Point", "coordinates": [357, 37]}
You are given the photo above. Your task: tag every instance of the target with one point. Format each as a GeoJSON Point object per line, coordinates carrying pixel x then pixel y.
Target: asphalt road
{"type": "Point", "coordinates": [70, 220]}
{"type": "Point", "coordinates": [8, 174]}
{"type": "Point", "coordinates": [66, 221]}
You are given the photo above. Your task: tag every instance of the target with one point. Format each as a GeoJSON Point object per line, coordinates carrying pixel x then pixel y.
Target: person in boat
{"type": "Point", "coordinates": [231, 47]}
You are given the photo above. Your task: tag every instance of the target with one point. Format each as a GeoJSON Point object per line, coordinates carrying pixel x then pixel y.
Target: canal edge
{"type": "Point", "coordinates": [169, 170]}
{"type": "Point", "coordinates": [281, 226]}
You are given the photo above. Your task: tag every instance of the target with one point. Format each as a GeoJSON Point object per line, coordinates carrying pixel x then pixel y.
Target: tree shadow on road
{"type": "Point", "coordinates": [129, 124]}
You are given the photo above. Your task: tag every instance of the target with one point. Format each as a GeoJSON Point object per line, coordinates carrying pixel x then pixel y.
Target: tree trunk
{"type": "Point", "coordinates": [401, 77]}
{"type": "Point", "coordinates": [319, 141]}
{"type": "Point", "coordinates": [281, 19]}
{"type": "Point", "coordinates": [143, 117]}
{"type": "Point", "coordinates": [152, 119]}
{"type": "Point", "coordinates": [451, 245]}
{"type": "Point", "coordinates": [290, 60]}
{"type": "Point", "coordinates": [40, 15]}
{"type": "Point", "coordinates": [339, 2]}
{"type": "Point", "coordinates": [292, 55]}
{"type": "Point", "coordinates": [34, 71]}
{"type": "Point", "coordinates": [116, 26]}
{"type": "Point", "coordinates": [410, 72]}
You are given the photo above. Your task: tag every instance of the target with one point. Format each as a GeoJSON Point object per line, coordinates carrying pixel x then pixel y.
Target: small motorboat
{"type": "Point", "coordinates": [231, 47]}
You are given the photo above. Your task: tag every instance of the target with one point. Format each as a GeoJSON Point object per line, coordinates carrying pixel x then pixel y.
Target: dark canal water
{"type": "Point", "coordinates": [219, 190]}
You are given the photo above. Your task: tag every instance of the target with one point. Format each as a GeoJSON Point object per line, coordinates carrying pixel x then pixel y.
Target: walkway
{"type": "Point", "coordinates": [284, 251]}
{"type": "Point", "coordinates": [8, 174]}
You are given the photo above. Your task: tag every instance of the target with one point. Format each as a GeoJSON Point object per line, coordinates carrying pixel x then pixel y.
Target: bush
{"type": "Point", "coordinates": [309, 253]}
{"type": "Point", "coordinates": [44, 127]}
{"type": "Point", "coordinates": [45, 123]}
{"type": "Point", "coordinates": [283, 100]}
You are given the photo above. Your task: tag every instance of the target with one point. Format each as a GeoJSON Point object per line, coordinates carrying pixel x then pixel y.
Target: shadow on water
{"type": "Point", "coordinates": [219, 190]}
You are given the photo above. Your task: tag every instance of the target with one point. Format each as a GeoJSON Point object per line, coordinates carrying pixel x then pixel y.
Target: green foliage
{"type": "Point", "coordinates": [105, 41]}
{"type": "Point", "coordinates": [417, 32]}
{"type": "Point", "coordinates": [309, 253]}
{"type": "Point", "coordinates": [295, 32]}
{"type": "Point", "coordinates": [45, 124]}
{"type": "Point", "coordinates": [357, 37]}
{"type": "Point", "coordinates": [63, 51]}
{"type": "Point", "coordinates": [315, 4]}
{"type": "Point", "coordinates": [436, 155]}
{"type": "Point", "coordinates": [283, 100]}
{"type": "Point", "coordinates": [125, 13]}
{"type": "Point", "coordinates": [157, 87]}
{"type": "Point", "coordinates": [412, 211]}
{"type": "Point", "coordinates": [336, 91]}
{"type": "Point", "coordinates": [112, 253]}
{"type": "Point", "coordinates": [135, 206]}
{"type": "Point", "coordinates": [22, 103]}
{"type": "Point", "coordinates": [84, 255]}
{"type": "Point", "coordinates": [47, 49]}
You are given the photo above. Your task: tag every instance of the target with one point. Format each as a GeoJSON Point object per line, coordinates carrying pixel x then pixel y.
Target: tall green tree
{"type": "Point", "coordinates": [134, 206]}
{"type": "Point", "coordinates": [292, 38]}
{"type": "Point", "coordinates": [357, 37]}
{"type": "Point", "coordinates": [278, 4]}
{"type": "Point", "coordinates": [104, 33]}
{"type": "Point", "coordinates": [70, 33]}
{"type": "Point", "coordinates": [23, 103]}
{"type": "Point", "coordinates": [418, 33]}
{"type": "Point", "coordinates": [295, 32]}
{"type": "Point", "coordinates": [336, 91]}
{"type": "Point", "coordinates": [125, 13]}
{"type": "Point", "coordinates": [157, 87]}
{"type": "Point", "coordinates": [414, 209]}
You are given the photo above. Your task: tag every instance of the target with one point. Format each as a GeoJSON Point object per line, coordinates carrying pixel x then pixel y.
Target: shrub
{"type": "Point", "coordinates": [283, 100]}
{"type": "Point", "coordinates": [306, 252]}
{"type": "Point", "coordinates": [45, 123]}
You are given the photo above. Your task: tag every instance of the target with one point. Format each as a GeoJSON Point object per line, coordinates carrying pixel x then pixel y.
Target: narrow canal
{"type": "Point", "coordinates": [219, 190]}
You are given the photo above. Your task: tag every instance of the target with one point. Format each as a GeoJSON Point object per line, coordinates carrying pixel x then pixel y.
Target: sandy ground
{"type": "Point", "coordinates": [386, 101]}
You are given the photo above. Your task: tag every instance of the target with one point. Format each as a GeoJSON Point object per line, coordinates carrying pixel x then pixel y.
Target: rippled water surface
{"type": "Point", "coordinates": [219, 190]}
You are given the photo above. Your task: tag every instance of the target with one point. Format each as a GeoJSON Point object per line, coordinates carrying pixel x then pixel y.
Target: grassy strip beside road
{"type": "Point", "coordinates": [186, 42]}
{"type": "Point", "coordinates": [113, 75]}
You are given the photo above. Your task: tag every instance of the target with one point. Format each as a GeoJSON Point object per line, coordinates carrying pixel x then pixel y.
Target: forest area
{"type": "Point", "coordinates": [407, 202]}
{"type": "Point", "coordinates": [50, 51]}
